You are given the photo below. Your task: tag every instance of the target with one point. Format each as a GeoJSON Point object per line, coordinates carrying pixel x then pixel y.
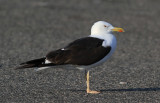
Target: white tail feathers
{"type": "Point", "coordinates": [41, 68]}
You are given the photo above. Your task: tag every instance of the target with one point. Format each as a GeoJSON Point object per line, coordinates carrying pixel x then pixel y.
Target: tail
{"type": "Point", "coordinates": [34, 63]}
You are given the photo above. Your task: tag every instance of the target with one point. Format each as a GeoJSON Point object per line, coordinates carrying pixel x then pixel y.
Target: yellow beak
{"type": "Point", "coordinates": [117, 29]}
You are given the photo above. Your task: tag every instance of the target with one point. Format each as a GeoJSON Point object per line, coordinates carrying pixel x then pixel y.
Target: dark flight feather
{"type": "Point", "coordinates": [34, 63]}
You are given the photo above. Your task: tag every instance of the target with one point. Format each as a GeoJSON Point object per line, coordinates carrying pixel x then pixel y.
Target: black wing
{"type": "Point", "coordinates": [84, 51]}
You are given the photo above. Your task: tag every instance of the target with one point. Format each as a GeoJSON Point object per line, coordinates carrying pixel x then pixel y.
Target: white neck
{"type": "Point", "coordinates": [109, 38]}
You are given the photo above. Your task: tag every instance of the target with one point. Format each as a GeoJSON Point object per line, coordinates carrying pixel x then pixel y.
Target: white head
{"type": "Point", "coordinates": [102, 27]}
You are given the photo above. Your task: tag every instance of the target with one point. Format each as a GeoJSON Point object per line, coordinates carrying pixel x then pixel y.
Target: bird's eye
{"type": "Point", "coordinates": [106, 26]}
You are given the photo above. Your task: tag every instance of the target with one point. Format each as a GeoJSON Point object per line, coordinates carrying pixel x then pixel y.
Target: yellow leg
{"type": "Point", "coordinates": [88, 89]}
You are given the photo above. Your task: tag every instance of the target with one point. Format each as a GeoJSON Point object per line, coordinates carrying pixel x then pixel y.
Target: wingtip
{"type": "Point", "coordinates": [18, 67]}
{"type": "Point", "coordinates": [23, 66]}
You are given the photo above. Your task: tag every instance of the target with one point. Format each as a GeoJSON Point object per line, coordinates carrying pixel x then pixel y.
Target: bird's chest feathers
{"type": "Point", "coordinates": [104, 44]}
{"type": "Point", "coordinates": [109, 40]}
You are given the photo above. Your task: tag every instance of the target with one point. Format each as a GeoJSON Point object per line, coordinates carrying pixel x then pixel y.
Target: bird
{"type": "Point", "coordinates": [84, 53]}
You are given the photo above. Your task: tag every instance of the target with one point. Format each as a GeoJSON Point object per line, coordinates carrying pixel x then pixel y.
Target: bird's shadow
{"type": "Point", "coordinates": [119, 90]}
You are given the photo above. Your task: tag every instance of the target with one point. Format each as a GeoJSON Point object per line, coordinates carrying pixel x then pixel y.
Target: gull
{"type": "Point", "coordinates": [84, 53]}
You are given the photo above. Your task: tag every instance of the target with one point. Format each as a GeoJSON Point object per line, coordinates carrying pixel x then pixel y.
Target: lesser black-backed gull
{"type": "Point", "coordinates": [85, 53]}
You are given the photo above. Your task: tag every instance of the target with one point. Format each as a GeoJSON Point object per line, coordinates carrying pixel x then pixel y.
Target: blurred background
{"type": "Point", "coordinates": [31, 28]}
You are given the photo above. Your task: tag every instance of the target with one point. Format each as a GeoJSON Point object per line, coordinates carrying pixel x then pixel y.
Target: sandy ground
{"type": "Point", "coordinates": [29, 29]}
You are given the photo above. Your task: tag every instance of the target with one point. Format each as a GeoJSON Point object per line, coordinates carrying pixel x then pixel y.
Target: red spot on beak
{"type": "Point", "coordinates": [120, 30]}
